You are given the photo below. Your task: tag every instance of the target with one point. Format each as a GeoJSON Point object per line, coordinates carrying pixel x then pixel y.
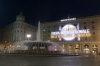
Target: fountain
{"type": "Point", "coordinates": [37, 46]}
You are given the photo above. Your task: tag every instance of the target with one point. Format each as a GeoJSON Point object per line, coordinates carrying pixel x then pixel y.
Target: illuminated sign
{"type": "Point", "coordinates": [68, 19]}
{"type": "Point", "coordinates": [69, 32]}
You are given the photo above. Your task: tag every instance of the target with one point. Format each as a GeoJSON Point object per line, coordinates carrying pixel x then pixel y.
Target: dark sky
{"type": "Point", "coordinates": [46, 10]}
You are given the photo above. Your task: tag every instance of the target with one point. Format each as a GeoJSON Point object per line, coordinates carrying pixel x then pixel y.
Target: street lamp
{"type": "Point", "coordinates": [28, 36]}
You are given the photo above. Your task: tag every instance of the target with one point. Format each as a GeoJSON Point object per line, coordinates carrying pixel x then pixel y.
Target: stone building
{"type": "Point", "coordinates": [75, 35]}
{"type": "Point", "coordinates": [18, 31]}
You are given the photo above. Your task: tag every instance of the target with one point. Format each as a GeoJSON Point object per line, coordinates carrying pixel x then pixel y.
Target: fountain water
{"type": "Point", "coordinates": [37, 46]}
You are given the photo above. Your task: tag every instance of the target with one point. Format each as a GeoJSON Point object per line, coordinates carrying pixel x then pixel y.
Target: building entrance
{"type": "Point", "coordinates": [94, 49]}
{"type": "Point", "coordinates": [86, 49]}
{"type": "Point", "coordinates": [76, 48]}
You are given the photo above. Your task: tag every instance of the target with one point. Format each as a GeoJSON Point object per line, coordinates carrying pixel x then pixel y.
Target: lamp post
{"type": "Point", "coordinates": [28, 36]}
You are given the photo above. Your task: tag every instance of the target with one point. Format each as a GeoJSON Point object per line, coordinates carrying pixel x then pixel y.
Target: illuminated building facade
{"type": "Point", "coordinates": [18, 31]}
{"type": "Point", "coordinates": [75, 35]}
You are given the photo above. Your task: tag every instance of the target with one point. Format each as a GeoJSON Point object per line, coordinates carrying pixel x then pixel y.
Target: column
{"type": "Point", "coordinates": [80, 47]}
{"type": "Point", "coordinates": [98, 46]}
{"type": "Point", "coordinates": [90, 47]}
{"type": "Point", "coordinates": [72, 49]}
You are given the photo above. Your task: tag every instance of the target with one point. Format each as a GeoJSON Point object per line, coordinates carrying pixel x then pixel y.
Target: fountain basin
{"type": "Point", "coordinates": [35, 47]}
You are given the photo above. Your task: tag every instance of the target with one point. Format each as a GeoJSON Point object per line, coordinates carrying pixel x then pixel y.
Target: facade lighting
{"type": "Point", "coordinates": [28, 36]}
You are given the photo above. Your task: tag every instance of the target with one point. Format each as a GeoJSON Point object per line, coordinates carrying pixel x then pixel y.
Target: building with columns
{"type": "Point", "coordinates": [75, 35]}
{"type": "Point", "coordinates": [18, 31]}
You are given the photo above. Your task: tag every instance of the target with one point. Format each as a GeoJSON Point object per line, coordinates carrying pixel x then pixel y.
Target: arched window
{"type": "Point", "coordinates": [86, 45]}
{"type": "Point", "coordinates": [94, 45]}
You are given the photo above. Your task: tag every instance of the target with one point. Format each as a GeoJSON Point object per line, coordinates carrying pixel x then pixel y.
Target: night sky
{"type": "Point", "coordinates": [46, 10]}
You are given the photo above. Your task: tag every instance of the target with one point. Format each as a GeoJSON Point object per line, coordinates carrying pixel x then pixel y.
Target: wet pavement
{"type": "Point", "coordinates": [29, 60]}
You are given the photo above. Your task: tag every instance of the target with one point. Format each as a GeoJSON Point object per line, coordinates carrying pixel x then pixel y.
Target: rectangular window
{"type": "Point", "coordinates": [75, 24]}
{"type": "Point", "coordinates": [44, 31]}
{"type": "Point", "coordinates": [86, 38]}
{"type": "Point", "coordinates": [93, 27]}
{"type": "Point", "coordinates": [84, 27]}
{"type": "Point", "coordinates": [43, 35]}
{"type": "Point", "coordinates": [62, 25]}
{"type": "Point", "coordinates": [84, 22]}
{"type": "Point", "coordinates": [94, 38]}
{"type": "Point", "coordinates": [92, 22]}
{"type": "Point", "coordinates": [54, 30]}
{"type": "Point", "coordinates": [93, 32]}
{"type": "Point", "coordinates": [48, 26]}
{"type": "Point", "coordinates": [48, 35]}
{"type": "Point", "coordinates": [48, 31]}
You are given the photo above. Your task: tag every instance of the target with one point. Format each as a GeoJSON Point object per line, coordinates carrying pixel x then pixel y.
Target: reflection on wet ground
{"type": "Point", "coordinates": [29, 60]}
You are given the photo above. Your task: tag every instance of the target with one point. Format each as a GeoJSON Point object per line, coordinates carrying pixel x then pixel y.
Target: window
{"type": "Point", "coordinates": [62, 25]}
{"type": "Point", "coordinates": [94, 38]}
{"type": "Point", "coordinates": [44, 30]}
{"type": "Point", "coordinates": [48, 30]}
{"type": "Point", "coordinates": [92, 22]}
{"type": "Point", "coordinates": [54, 30]}
{"type": "Point", "coordinates": [43, 35]}
{"type": "Point", "coordinates": [86, 38]}
{"type": "Point", "coordinates": [76, 45]}
{"type": "Point", "coordinates": [43, 27]}
{"type": "Point", "coordinates": [48, 26]}
{"type": "Point", "coordinates": [84, 27]}
{"type": "Point", "coordinates": [84, 22]}
{"type": "Point", "coordinates": [75, 24]}
{"type": "Point", "coordinates": [93, 27]}
{"type": "Point", "coordinates": [54, 26]}
{"type": "Point", "coordinates": [48, 35]}
{"type": "Point", "coordinates": [93, 32]}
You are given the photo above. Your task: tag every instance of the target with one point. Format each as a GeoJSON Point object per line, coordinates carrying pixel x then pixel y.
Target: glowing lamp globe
{"type": "Point", "coordinates": [28, 35]}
